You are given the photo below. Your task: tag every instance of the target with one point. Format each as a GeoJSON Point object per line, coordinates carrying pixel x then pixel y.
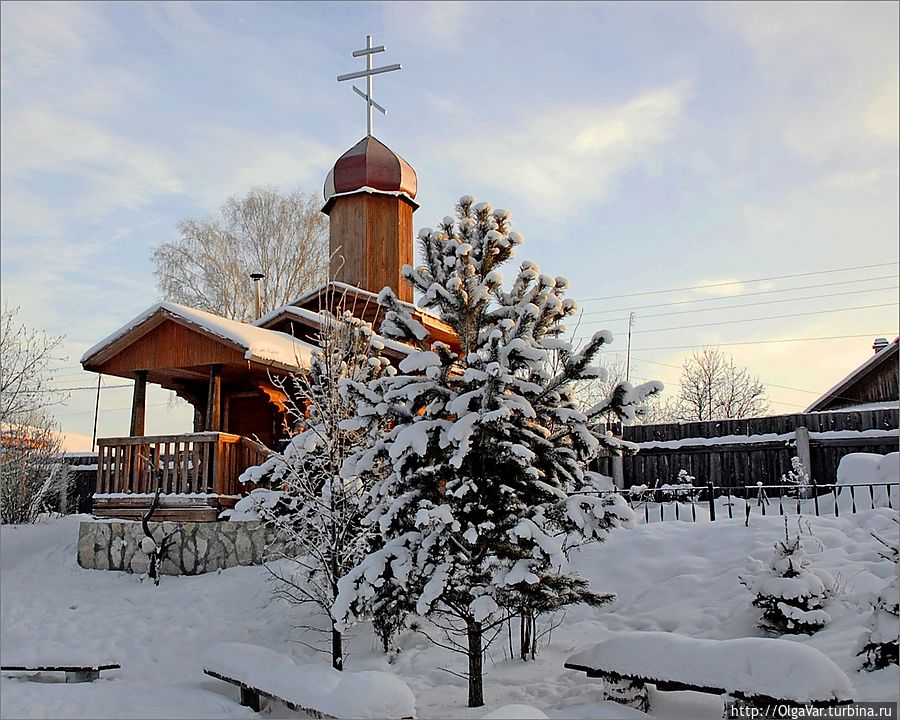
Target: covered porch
{"type": "Point", "coordinates": [229, 373]}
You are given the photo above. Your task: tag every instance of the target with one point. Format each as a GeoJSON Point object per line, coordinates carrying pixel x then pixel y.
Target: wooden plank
{"type": "Point", "coordinates": [196, 480]}
{"type": "Point", "coordinates": [183, 437]}
{"type": "Point", "coordinates": [166, 459]}
{"type": "Point", "coordinates": [117, 478]}
{"type": "Point", "coordinates": [220, 466]}
{"type": "Point", "coordinates": [250, 696]}
{"type": "Point", "coordinates": [168, 515]}
{"type": "Point", "coordinates": [62, 668]}
{"type": "Point", "coordinates": [165, 501]}
{"type": "Point", "coordinates": [184, 479]}
{"type": "Point", "coordinates": [101, 463]}
{"type": "Point", "coordinates": [209, 449]}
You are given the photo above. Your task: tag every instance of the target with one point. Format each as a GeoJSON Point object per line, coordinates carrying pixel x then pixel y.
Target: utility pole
{"type": "Point", "coordinates": [617, 466]}
{"type": "Point", "coordinates": [96, 413]}
{"type": "Point", "coordinates": [628, 350]}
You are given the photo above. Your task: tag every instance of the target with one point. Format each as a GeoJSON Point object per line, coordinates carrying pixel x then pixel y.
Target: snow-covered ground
{"type": "Point", "coordinates": [678, 577]}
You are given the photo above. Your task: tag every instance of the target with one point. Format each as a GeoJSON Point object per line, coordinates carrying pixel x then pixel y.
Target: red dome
{"type": "Point", "coordinates": [370, 164]}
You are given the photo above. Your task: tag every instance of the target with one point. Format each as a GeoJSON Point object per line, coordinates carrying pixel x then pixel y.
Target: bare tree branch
{"type": "Point", "coordinates": [284, 237]}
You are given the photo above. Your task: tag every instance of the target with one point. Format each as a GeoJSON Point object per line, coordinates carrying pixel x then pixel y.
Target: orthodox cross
{"type": "Point", "coordinates": [369, 51]}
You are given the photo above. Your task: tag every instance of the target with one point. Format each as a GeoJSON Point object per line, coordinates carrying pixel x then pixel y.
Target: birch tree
{"type": "Point", "coordinates": [282, 236]}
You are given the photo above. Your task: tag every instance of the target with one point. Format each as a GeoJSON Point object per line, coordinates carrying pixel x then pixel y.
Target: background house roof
{"type": "Point", "coordinates": [843, 389]}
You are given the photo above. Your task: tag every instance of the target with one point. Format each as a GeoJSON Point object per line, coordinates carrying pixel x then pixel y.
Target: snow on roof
{"type": "Point", "coordinates": [342, 287]}
{"type": "Point", "coordinates": [268, 347]}
{"type": "Point", "coordinates": [834, 391]}
{"type": "Point", "coordinates": [315, 318]}
{"type": "Point", "coordinates": [766, 437]}
{"type": "Point", "coordinates": [371, 191]}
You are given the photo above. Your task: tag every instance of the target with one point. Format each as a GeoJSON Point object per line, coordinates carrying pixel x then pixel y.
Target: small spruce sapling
{"type": "Point", "coordinates": [487, 450]}
{"type": "Point", "coordinates": [682, 491]}
{"type": "Point", "coordinates": [880, 646]}
{"type": "Point", "coordinates": [790, 593]}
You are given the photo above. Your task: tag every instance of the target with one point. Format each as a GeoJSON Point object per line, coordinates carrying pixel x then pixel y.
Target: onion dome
{"type": "Point", "coordinates": [370, 166]}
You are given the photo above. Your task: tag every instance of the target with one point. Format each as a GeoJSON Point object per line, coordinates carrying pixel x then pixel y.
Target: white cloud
{"type": "Point", "coordinates": [567, 155]}
{"type": "Point", "coordinates": [828, 73]}
{"type": "Point", "coordinates": [425, 21]}
{"type": "Point", "coordinates": [218, 161]}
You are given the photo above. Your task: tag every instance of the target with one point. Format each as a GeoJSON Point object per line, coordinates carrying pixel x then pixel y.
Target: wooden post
{"type": "Point", "coordinates": [618, 471]}
{"type": "Point", "coordinates": [138, 404]}
{"type": "Point", "coordinates": [214, 399]}
{"type": "Point", "coordinates": [802, 436]}
{"type": "Point", "coordinates": [803, 452]}
{"type": "Point", "coordinates": [64, 490]}
{"type": "Point", "coordinates": [712, 500]}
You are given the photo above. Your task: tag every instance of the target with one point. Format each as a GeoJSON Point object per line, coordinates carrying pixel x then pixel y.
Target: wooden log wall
{"type": "Point", "coordinates": [736, 463]}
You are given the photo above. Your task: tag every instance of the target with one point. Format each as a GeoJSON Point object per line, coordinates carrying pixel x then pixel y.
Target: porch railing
{"type": "Point", "coordinates": [204, 463]}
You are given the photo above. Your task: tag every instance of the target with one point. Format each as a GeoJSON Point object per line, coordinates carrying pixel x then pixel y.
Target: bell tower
{"type": "Point", "coordinates": [370, 199]}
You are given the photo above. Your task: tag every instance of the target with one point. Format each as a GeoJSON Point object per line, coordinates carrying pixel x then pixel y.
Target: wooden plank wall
{"type": "Point", "coordinates": [745, 463]}
{"type": "Point", "coordinates": [887, 419]}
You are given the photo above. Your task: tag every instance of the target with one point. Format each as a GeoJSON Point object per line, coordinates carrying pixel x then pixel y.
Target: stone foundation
{"type": "Point", "coordinates": [195, 547]}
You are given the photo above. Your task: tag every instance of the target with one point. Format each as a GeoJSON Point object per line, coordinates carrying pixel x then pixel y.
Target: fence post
{"type": "Point", "coordinates": [618, 472]}
{"type": "Point", "coordinates": [64, 489]}
{"type": "Point", "coordinates": [712, 500]}
{"type": "Point", "coordinates": [801, 434]}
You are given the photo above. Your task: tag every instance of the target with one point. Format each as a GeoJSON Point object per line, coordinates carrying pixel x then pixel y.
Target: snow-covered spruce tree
{"type": "Point", "coordinates": [318, 511]}
{"type": "Point", "coordinates": [880, 646]}
{"type": "Point", "coordinates": [486, 447]}
{"type": "Point", "coordinates": [790, 593]}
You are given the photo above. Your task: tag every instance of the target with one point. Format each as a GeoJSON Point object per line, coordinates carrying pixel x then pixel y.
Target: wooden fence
{"type": "Point", "coordinates": [736, 453]}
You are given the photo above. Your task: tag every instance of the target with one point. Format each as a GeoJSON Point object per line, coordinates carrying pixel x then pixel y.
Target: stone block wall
{"type": "Point", "coordinates": [195, 548]}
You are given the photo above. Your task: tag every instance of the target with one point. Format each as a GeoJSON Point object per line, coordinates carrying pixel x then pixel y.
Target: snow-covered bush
{"type": "Point", "coordinates": [487, 489]}
{"type": "Point", "coordinates": [880, 645]}
{"type": "Point", "coordinates": [790, 593]}
{"type": "Point", "coordinates": [318, 510]}
{"type": "Point", "coordinates": [32, 474]}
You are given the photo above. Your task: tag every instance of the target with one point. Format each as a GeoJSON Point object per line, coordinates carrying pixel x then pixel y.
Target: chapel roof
{"type": "Point", "coordinates": [370, 166]}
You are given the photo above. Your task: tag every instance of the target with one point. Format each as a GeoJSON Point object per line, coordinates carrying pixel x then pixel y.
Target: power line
{"type": "Point", "coordinates": [105, 410]}
{"type": "Point", "coordinates": [762, 342]}
{"type": "Point", "coordinates": [767, 384]}
{"type": "Point", "coordinates": [717, 298]}
{"type": "Point", "coordinates": [767, 317]}
{"type": "Point", "coordinates": [738, 282]}
{"type": "Point", "coordinates": [742, 305]}
{"type": "Point", "coordinates": [73, 389]}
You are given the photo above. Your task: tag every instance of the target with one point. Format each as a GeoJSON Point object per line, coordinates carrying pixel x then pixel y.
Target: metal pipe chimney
{"type": "Point", "coordinates": [256, 277]}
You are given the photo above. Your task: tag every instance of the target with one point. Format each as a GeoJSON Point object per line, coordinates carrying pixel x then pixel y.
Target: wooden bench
{"type": "Point", "coordinates": [251, 696]}
{"type": "Point", "coordinates": [74, 673]}
{"type": "Point", "coordinates": [758, 672]}
{"type": "Point", "coordinates": [317, 690]}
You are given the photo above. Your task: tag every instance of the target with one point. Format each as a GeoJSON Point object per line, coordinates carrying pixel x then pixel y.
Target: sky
{"type": "Point", "coordinates": [643, 149]}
